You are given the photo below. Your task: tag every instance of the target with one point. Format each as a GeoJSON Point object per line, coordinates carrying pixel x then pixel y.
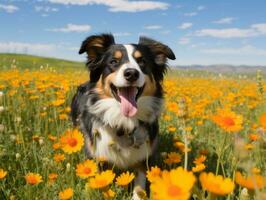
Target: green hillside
{"type": "Point", "coordinates": [22, 61]}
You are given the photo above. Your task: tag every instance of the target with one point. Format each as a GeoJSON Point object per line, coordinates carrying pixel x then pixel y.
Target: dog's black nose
{"type": "Point", "coordinates": [131, 74]}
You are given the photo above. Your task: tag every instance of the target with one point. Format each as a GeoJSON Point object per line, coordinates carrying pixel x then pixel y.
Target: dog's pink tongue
{"type": "Point", "coordinates": [128, 103]}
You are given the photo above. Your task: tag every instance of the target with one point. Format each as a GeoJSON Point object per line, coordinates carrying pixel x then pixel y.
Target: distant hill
{"type": "Point", "coordinates": [224, 68]}
{"type": "Point", "coordinates": [23, 61]}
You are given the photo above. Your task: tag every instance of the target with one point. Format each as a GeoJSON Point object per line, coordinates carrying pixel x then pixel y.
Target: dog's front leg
{"type": "Point", "coordinates": [139, 192]}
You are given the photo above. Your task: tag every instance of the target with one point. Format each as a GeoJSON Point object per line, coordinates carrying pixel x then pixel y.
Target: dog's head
{"type": "Point", "coordinates": [126, 72]}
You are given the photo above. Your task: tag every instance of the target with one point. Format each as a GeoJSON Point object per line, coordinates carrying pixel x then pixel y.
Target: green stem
{"type": "Point", "coordinates": [220, 154]}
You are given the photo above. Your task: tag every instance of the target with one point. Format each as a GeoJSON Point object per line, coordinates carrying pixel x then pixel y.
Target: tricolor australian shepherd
{"type": "Point", "coordinates": [118, 108]}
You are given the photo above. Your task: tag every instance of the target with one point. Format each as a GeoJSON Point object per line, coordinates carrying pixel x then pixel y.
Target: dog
{"type": "Point", "coordinates": [118, 108]}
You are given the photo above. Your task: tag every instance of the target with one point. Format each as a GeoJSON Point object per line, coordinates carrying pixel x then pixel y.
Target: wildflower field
{"type": "Point", "coordinates": [212, 139]}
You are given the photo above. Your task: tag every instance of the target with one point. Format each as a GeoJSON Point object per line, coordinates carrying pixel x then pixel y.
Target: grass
{"type": "Point", "coordinates": [22, 61]}
{"type": "Point", "coordinates": [34, 106]}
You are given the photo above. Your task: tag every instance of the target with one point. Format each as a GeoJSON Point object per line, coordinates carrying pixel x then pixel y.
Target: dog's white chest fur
{"type": "Point", "coordinates": [122, 151]}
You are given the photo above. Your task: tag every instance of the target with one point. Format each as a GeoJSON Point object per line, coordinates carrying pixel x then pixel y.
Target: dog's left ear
{"type": "Point", "coordinates": [159, 50]}
{"type": "Point", "coordinates": [95, 46]}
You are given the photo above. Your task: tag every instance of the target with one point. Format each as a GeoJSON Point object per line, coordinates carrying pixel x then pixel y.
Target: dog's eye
{"type": "Point", "coordinates": [113, 61]}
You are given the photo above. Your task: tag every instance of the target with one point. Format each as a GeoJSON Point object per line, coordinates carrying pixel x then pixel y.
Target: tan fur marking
{"type": "Point", "coordinates": [149, 88]}
{"type": "Point", "coordinates": [137, 54]}
{"type": "Point", "coordinates": [104, 90]}
{"type": "Point", "coordinates": [118, 54]}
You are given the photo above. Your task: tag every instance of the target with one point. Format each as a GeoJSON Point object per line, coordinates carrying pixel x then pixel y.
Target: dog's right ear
{"type": "Point", "coordinates": [96, 45]}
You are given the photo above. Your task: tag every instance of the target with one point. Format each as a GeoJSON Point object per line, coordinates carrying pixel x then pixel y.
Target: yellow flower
{"type": "Point", "coordinates": [174, 184]}
{"type": "Point", "coordinates": [172, 158]}
{"type": "Point", "coordinates": [101, 180]}
{"type": "Point", "coordinates": [66, 194]}
{"type": "Point", "coordinates": [33, 179]}
{"type": "Point", "coordinates": [251, 182]}
{"type": "Point", "coordinates": [199, 160]}
{"type": "Point", "coordinates": [153, 174]}
{"type": "Point", "coordinates": [2, 173]}
{"type": "Point", "coordinates": [216, 184]}
{"type": "Point", "coordinates": [109, 194]}
{"type": "Point", "coordinates": [124, 179]}
{"type": "Point", "coordinates": [59, 157]}
{"type": "Point", "coordinates": [228, 120]}
{"type": "Point", "coordinates": [72, 141]}
{"type": "Point", "coordinates": [86, 169]}
{"type": "Point", "coordinates": [198, 167]}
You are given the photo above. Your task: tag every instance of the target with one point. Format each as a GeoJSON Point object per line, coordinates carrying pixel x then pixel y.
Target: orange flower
{"type": "Point", "coordinates": [58, 102]}
{"type": "Point", "coordinates": [124, 179]}
{"type": "Point", "coordinates": [52, 177]}
{"type": "Point", "coordinates": [2, 173]}
{"type": "Point", "coordinates": [216, 184]}
{"type": "Point", "coordinates": [109, 194]}
{"type": "Point", "coordinates": [172, 185]}
{"type": "Point", "coordinates": [251, 182]}
{"type": "Point", "coordinates": [86, 169]}
{"type": "Point", "coordinates": [263, 120]}
{"type": "Point", "coordinates": [72, 141]}
{"type": "Point", "coordinates": [172, 158]}
{"type": "Point", "coordinates": [228, 120]}
{"type": "Point", "coordinates": [171, 129]}
{"type": "Point", "coordinates": [66, 194]}
{"type": "Point", "coordinates": [153, 174]}
{"type": "Point", "coordinates": [198, 167]}
{"type": "Point", "coordinates": [52, 138]}
{"type": "Point", "coordinates": [101, 180]}
{"type": "Point", "coordinates": [59, 157]}
{"type": "Point", "coordinates": [181, 146]}
{"type": "Point", "coordinates": [199, 159]}
{"type": "Point", "coordinates": [56, 146]}
{"type": "Point", "coordinates": [33, 179]}
{"type": "Point", "coordinates": [253, 137]}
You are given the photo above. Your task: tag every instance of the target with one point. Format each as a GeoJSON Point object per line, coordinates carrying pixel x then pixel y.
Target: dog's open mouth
{"type": "Point", "coordinates": [127, 96]}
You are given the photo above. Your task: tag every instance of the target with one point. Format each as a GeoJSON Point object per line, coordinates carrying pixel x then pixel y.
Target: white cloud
{"type": "Point", "coordinates": [121, 34]}
{"type": "Point", "coordinates": [226, 20]}
{"type": "Point", "coordinates": [254, 30]}
{"type": "Point", "coordinates": [226, 33]}
{"type": "Point", "coordinates": [8, 8]}
{"type": "Point", "coordinates": [118, 5]}
{"type": "Point", "coordinates": [245, 50]}
{"type": "Point", "coordinates": [165, 32]}
{"type": "Point", "coordinates": [185, 25]}
{"type": "Point", "coordinates": [191, 14]}
{"type": "Point", "coordinates": [184, 41]}
{"type": "Point", "coordinates": [72, 28]}
{"type": "Point", "coordinates": [261, 28]}
{"type": "Point", "coordinates": [45, 9]}
{"type": "Point", "coordinates": [18, 47]}
{"type": "Point", "coordinates": [153, 27]}
{"type": "Point", "coordinates": [199, 8]}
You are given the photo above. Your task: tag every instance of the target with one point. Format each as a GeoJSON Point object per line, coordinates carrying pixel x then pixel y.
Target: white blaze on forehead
{"type": "Point", "coordinates": [120, 79]}
{"type": "Point", "coordinates": [132, 62]}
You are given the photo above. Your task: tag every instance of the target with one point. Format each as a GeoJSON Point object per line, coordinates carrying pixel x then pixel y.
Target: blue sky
{"type": "Point", "coordinates": [199, 31]}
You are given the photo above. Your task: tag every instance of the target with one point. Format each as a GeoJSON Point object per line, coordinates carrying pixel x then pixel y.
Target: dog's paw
{"type": "Point", "coordinates": [139, 194]}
